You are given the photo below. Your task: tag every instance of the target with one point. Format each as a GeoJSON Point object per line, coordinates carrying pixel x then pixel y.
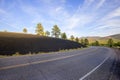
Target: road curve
{"type": "Point", "coordinates": [71, 65]}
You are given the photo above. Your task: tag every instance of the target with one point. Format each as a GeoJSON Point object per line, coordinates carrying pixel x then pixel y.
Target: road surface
{"type": "Point", "coordinates": [93, 63]}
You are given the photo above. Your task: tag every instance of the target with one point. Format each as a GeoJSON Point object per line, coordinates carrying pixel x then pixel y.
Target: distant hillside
{"type": "Point", "coordinates": [117, 36]}
{"type": "Point", "coordinates": [103, 40]}
{"type": "Point", "coordinates": [25, 43]}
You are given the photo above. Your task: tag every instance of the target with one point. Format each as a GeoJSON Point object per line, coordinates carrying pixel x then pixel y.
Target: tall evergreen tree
{"type": "Point", "coordinates": [72, 37]}
{"type": "Point", "coordinates": [86, 42]}
{"type": "Point", "coordinates": [77, 39]}
{"type": "Point", "coordinates": [64, 36]}
{"type": "Point", "coordinates": [82, 41]}
{"type": "Point", "coordinates": [39, 29]}
{"type": "Point", "coordinates": [56, 31]}
{"type": "Point", "coordinates": [47, 33]}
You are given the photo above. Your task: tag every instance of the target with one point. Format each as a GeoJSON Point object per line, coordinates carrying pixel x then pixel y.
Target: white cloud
{"type": "Point", "coordinates": [113, 23]}
{"type": "Point", "coordinates": [73, 22]}
{"type": "Point", "coordinates": [54, 11]}
{"type": "Point", "coordinates": [51, 2]}
{"type": "Point", "coordinates": [71, 32]}
{"type": "Point", "coordinates": [79, 20]}
{"type": "Point", "coordinates": [14, 25]}
{"type": "Point", "coordinates": [30, 10]}
{"type": "Point", "coordinates": [51, 12]}
{"type": "Point", "coordinates": [114, 13]}
{"type": "Point", "coordinates": [105, 32]}
{"type": "Point", "coordinates": [86, 4]}
{"type": "Point", "coordinates": [109, 20]}
{"type": "Point", "coordinates": [100, 4]}
{"type": "Point", "coordinates": [58, 9]}
{"type": "Point", "coordinates": [108, 26]}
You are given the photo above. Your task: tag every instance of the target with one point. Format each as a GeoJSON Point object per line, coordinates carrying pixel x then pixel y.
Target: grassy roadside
{"type": "Point", "coordinates": [30, 54]}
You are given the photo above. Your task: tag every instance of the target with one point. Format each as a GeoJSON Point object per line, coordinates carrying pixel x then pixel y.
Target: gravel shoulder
{"type": "Point", "coordinates": [115, 72]}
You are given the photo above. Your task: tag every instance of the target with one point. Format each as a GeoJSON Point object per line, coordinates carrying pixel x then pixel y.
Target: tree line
{"type": "Point", "coordinates": [110, 43]}
{"type": "Point", "coordinates": [56, 32]}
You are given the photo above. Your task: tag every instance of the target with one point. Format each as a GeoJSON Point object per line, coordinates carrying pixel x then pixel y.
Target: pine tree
{"type": "Point", "coordinates": [77, 39]}
{"type": "Point", "coordinates": [72, 37]}
{"type": "Point", "coordinates": [82, 41]}
{"type": "Point", "coordinates": [39, 29]}
{"type": "Point", "coordinates": [25, 30]}
{"type": "Point", "coordinates": [86, 42]}
{"type": "Point", "coordinates": [56, 31]}
{"type": "Point", "coordinates": [47, 33]}
{"type": "Point", "coordinates": [64, 36]}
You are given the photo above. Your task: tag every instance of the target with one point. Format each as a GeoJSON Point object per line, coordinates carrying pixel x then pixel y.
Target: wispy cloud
{"type": "Point", "coordinates": [78, 21]}
{"type": "Point", "coordinates": [101, 2]}
{"type": "Point", "coordinates": [13, 25]}
{"type": "Point", "coordinates": [80, 18]}
{"type": "Point", "coordinates": [4, 15]}
{"type": "Point", "coordinates": [110, 20]}
{"type": "Point", "coordinates": [114, 13]}
{"type": "Point", "coordinates": [87, 3]}
{"type": "Point", "coordinates": [108, 24]}
{"type": "Point", "coordinates": [77, 18]}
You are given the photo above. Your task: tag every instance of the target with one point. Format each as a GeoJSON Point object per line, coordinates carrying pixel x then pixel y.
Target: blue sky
{"type": "Point", "coordinates": [75, 17]}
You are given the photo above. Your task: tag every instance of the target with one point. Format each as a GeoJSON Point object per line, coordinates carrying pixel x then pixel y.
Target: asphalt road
{"type": "Point", "coordinates": [93, 63]}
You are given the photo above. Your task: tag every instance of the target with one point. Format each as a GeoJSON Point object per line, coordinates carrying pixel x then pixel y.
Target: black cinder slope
{"type": "Point", "coordinates": [11, 43]}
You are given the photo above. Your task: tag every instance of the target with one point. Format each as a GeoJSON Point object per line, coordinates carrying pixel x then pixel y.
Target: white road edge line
{"type": "Point", "coordinates": [82, 78]}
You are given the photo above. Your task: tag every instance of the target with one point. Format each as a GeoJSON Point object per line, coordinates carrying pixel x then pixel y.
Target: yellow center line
{"type": "Point", "coordinates": [37, 62]}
